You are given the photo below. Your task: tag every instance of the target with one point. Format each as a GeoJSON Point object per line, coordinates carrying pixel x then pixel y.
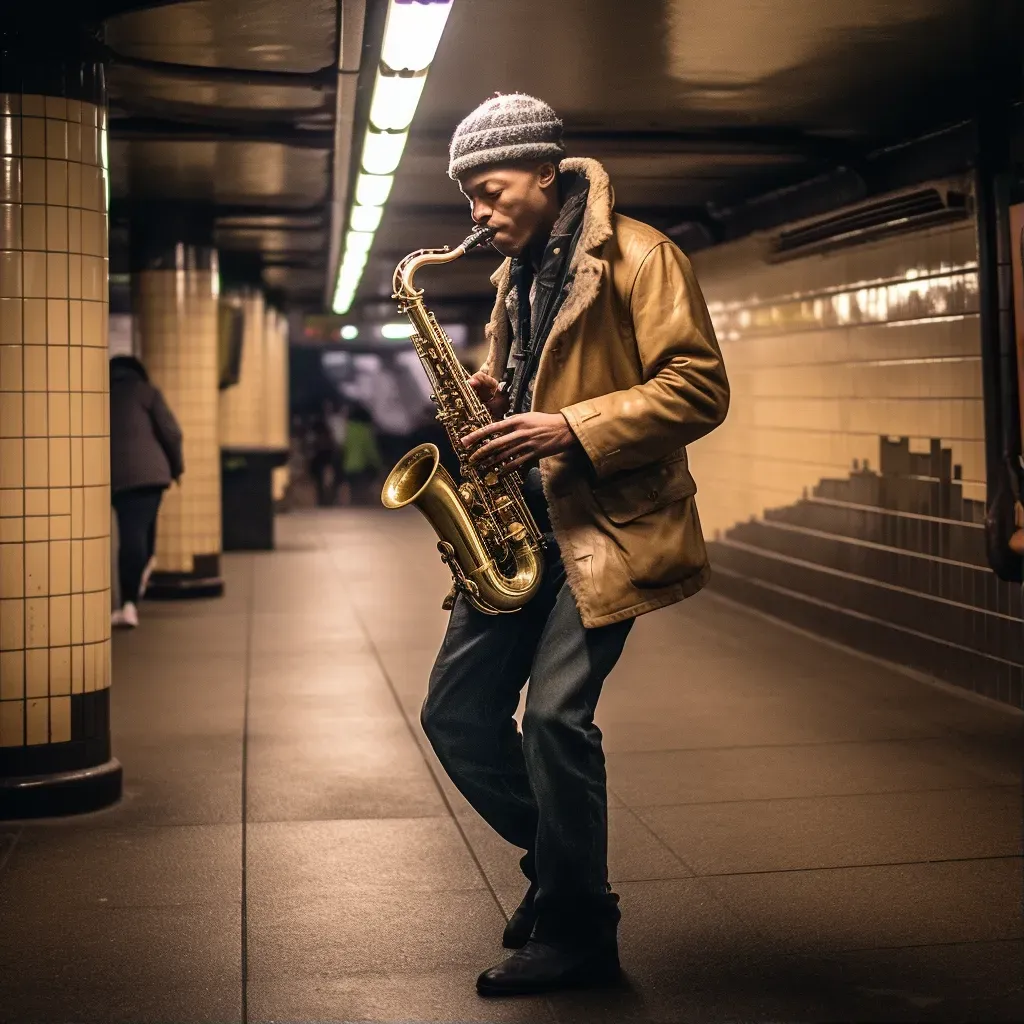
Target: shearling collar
{"type": "Point", "coordinates": [586, 269]}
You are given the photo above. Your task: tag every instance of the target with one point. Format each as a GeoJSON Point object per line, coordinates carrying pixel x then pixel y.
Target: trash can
{"type": "Point", "coordinates": [247, 497]}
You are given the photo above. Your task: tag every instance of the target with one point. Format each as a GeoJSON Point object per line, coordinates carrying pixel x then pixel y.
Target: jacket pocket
{"type": "Point", "coordinates": [645, 490]}
{"type": "Point", "coordinates": [652, 521]}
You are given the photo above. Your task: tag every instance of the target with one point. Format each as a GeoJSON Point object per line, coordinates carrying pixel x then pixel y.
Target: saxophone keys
{"type": "Point", "coordinates": [491, 479]}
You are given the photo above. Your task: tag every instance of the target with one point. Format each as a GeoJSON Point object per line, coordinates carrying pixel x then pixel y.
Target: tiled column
{"type": "Point", "coordinates": [175, 302]}
{"type": "Point", "coordinates": [242, 407]}
{"type": "Point", "coordinates": [55, 751]}
{"type": "Point", "coordinates": [276, 381]}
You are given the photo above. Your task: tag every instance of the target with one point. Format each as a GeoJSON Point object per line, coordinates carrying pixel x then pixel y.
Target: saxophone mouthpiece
{"type": "Point", "coordinates": [478, 237]}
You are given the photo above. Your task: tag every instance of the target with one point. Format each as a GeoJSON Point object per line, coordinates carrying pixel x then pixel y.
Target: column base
{"type": "Point", "coordinates": [204, 580]}
{"type": "Point", "coordinates": [61, 793]}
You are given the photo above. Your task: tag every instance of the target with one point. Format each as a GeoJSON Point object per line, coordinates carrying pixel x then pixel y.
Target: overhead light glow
{"type": "Point", "coordinates": [395, 331]}
{"type": "Point", "coordinates": [382, 151]}
{"type": "Point", "coordinates": [394, 101]}
{"type": "Point", "coordinates": [412, 33]}
{"type": "Point", "coordinates": [373, 189]}
{"type": "Point", "coordinates": [350, 332]}
{"type": "Point", "coordinates": [358, 242]}
{"type": "Point", "coordinates": [365, 218]}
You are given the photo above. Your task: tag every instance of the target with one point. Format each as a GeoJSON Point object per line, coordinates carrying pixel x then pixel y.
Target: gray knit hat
{"type": "Point", "coordinates": [511, 127]}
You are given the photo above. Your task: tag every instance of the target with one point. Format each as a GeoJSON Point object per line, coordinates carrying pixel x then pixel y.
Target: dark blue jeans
{"type": "Point", "coordinates": [544, 789]}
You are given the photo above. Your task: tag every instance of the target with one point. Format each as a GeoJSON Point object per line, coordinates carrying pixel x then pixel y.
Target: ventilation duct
{"type": "Point", "coordinates": [912, 210]}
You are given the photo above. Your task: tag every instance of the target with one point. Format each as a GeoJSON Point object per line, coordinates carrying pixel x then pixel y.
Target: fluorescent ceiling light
{"type": "Point", "coordinates": [343, 300]}
{"type": "Point", "coordinates": [350, 332]}
{"type": "Point", "coordinates": [358, 242]}
{"type": "Point", "coordinates": [412, 33]}
{"type": "Point", "coordinates": [382, 151]}
{"type": "Point", "coordinates": [365, 218]}
{"type": "Point", "coordinates": [394, 101]}
{"type": "Point", "coordinates": [411, 36]}
{"type": "Point", "coordinates": [373, 189]}
{"type": "Point", "coordinates": [398, 330]}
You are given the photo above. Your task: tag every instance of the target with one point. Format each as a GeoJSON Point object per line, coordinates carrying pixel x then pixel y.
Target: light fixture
{"type": "Point", "coordinates": [411, 35]}
{"type": "Point", "coordinates": [394, 101]}
{"type": "Point", "coordinates": [382, 151]}
{"type": "Point", "coordinates": [397, 330]}
{"type": "Point", "coordinates": [365, 218]}
{"type": "Point", "coordinates": [358, 242]}
{"type": "Point", "coordinates": [373, 189]}
{"type": "Point", "coordinates": [350, 332]}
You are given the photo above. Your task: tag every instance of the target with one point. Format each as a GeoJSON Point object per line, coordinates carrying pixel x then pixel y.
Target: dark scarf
{"type": "Point", "coordinates": [532, 325]}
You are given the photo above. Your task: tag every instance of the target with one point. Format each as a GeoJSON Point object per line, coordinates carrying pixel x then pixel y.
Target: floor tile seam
{"type": "Point", "coordinates": [71, 906]}
{"type": "Point", "coordinates": [317, 821]}
{"type": "Point", "coordinates": [935, 945]}
{"type": "Point", "coordinates": [658, 839]}
{"type": "Point", "coordinates": [314, 894]}
{"type": "Point", "coordinates": [156, 832]}
{"type": "Point", "coordinates": [389, 682]}
{"type": "Point", "coordinates": [244, 793]}
{"type": "Point", "coordinates": [866, 867]}
{"type": "Point", "coordinates": [361, 817]}
{"type": "Point", "coordinates": [799, 745]}
{"type": "Point", "coordinates": [983, 787]}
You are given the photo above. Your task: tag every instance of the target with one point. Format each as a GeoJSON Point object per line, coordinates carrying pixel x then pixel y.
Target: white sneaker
{"type": "Point", "coordinates": [127, 616]}
{"type": "Point", "coordinates": [146, 573]}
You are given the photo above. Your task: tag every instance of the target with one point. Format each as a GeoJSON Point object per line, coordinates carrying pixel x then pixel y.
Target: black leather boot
{"type": "Point", "coordinates": [520, 924]}
{"type": "Point", "coordinates": [539, 967]}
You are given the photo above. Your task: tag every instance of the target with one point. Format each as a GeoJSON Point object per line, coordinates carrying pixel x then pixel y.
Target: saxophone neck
{"type": "Point", "coordinates": [404, 286]}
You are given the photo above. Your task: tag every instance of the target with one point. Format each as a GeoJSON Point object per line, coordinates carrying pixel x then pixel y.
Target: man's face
{"type": "Point", "coordinates": [518, 202]}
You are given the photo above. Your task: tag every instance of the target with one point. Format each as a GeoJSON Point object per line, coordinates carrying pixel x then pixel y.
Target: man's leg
{"type": "Point", "coordinates": [132, 509]}
{"type": "Point", "coordinates": [566, 766]}
{"type": "Point", "coordinates": [467, 716]}
{"type": "Point", "coordinates": [574, 935]}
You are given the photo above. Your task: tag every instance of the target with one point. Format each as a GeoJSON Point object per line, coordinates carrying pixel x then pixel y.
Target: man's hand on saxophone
{"type": "Point", "coordinates": [486, 388]}
{"type": "Point", "coordinates": [520, 439]}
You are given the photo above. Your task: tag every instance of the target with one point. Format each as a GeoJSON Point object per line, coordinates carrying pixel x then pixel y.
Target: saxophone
{"type": "Point", "coordinates": [488, 537]}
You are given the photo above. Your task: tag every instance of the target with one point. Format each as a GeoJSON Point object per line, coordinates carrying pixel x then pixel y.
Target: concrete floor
{"type": "Point", "coordinates": [797, 833]}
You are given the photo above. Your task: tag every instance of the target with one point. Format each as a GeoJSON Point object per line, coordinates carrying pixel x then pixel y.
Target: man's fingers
{"type": "Point", "coordinates": [493, 450]}
{"type": "Point", "coordinates": [490, 429]}
{"type": "Point", "coordinates": [522, 447]}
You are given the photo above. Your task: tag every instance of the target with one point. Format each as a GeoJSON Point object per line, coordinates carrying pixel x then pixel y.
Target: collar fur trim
{"type": "Point", "coordinates": [586, 269]}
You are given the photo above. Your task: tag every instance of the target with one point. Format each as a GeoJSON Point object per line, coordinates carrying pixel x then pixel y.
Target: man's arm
{"type": "Point", "coordinates": [168, 433]}
{"type": "Point", "coordinates": [685, 393]}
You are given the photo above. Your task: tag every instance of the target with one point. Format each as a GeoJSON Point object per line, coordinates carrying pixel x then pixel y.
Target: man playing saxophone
{"type": "Point", "coordinates": [602, 367]}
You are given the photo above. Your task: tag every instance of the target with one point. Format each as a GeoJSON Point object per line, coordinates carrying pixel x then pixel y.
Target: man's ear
{"type": "Point", "coordinates": [546, 174]}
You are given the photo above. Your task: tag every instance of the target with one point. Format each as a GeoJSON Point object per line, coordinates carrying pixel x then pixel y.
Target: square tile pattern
{"type": "Point", "coordinates": [845, 490]}
{"type": "Point", "coordinates": [177, 314]}
{"type": "Point", "coordinates": [254, 413]}
{"type": "Point", "coordinates": [54, 414]}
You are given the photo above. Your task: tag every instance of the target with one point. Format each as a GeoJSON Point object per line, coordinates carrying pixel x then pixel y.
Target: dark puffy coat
{"type": "Point", "coordinates": [145, 439]}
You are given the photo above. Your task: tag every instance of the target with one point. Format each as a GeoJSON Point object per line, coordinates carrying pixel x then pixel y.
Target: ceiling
{"type": "Point", "coordinates": [692, 107]}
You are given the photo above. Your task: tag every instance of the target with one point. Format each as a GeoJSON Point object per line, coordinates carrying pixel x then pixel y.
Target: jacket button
{"type": "Point", "coordinates": [653, 494]}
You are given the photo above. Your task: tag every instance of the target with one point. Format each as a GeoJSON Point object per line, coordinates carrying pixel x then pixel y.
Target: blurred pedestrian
{"type": "Point", "coordinates": [325, 465]}
{"type": "Point", "coordinates": [362, 462]}
{"type": "Point", "coordinates": [145, 456]}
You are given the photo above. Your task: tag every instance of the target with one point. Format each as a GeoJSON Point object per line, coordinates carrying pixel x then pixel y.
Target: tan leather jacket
{"type": "Point", "coordinates": [633, 363]}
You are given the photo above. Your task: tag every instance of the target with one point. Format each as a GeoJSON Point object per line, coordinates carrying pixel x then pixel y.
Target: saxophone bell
{"type": "Point", "coordinates": [419, 479]}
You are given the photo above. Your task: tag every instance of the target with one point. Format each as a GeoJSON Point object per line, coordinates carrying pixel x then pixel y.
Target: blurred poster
{"type": "Point", "coordinates": [119, 335]}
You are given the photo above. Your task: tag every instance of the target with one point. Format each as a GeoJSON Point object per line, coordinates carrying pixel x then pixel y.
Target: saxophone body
{"type": "Point", "coordinates": [487, 535]}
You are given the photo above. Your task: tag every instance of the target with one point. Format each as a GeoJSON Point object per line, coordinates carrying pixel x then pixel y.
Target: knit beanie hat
{"type": "Point", "coordinates": [503, 128]}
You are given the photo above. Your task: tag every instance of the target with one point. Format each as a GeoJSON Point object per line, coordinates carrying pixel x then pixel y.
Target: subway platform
{"type": "Point", "coordinates": [798, 833]}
